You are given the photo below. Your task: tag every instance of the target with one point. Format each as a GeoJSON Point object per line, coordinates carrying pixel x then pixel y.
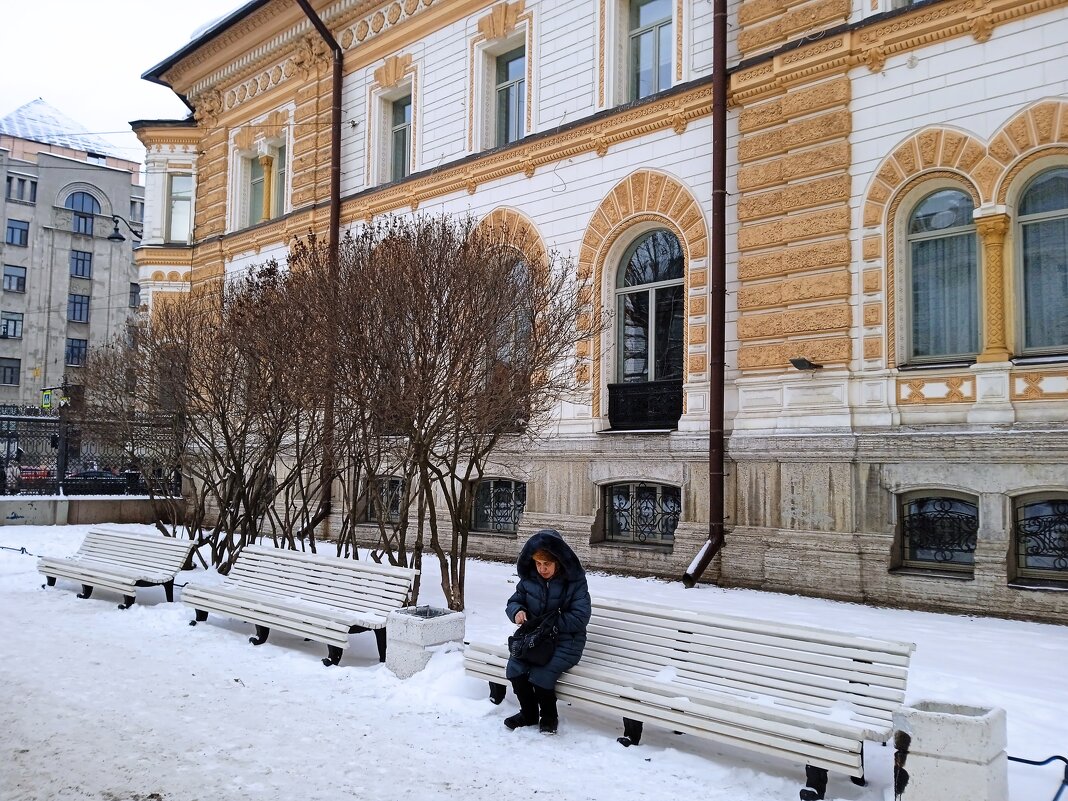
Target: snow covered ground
{"type": "Point", "coordinates": [109, 705]}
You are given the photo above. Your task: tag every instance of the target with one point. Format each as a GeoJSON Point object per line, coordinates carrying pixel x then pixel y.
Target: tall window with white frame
{"type": "Point", "coordinates": [265, 189]}
{"type": "Point", "coordinates": [1043, 221]}
{"type": "Point", "coordinates": [511, 94]}
{"type": "Point", "coordinates": [179, 207]}
{"type": "Point", "coordinates": [649, 47]}
{"type": "Point", "coordinates": [400, 138]}
{"type": "Point", "coordinates": [85, 208]}
{"type": "Point", "coordinates": [943, 279]}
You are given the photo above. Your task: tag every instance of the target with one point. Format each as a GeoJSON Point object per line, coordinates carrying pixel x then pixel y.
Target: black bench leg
{"type": "Point", "coordinates": [127, 602]}
{"type": "Point", "coordinates": [380, 635]}
{"type": "Point", "coordinates": [168, 590]}
{"type": "Point", "coordinates": [334, 655]}
{"type": "Point", "coordinates": [50, 581]}
{"type": "Point", "coordinates": [261, 635]}
{"type": "Point", "coordinates": [632, 732]}
{"type": "Point", "coordinates": [497, 692]}
{"type": "Point", "coordinates": [860, 781]}
{"type": "Point", "coordinates": [200, 617]}
{"type": "Point", "coordinates": [816, 781]}
{"type": "Point", "coordinates": [86, 591]}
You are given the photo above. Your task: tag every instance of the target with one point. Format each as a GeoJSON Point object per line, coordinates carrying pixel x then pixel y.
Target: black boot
{"type": "Point", "coordinates": [528, 704]}
{"type": "Point", "coordinates": [547, 710]}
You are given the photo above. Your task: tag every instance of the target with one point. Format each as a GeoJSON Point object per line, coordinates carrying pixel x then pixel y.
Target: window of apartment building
{"type": "Point", "coordinates": [14, 278]}
{"type": "Point", "coordinates": [21, 189]}
{"type": "Point", "coordinates": [9, 371]}
{"type": "Point", "coordinates": [511, 96]}
{"type": "Point", "coordinates": [78, 308]}
{"type": "Point", "coordinates": [1043, 223]}
{"type": "Point", "coordinates": [939, 530]}
{"type": "Point", "coordinates": [81, 264]}
{"type": "Point", "coordinates": [135, 296]}
{"type": "Point", "coordinates": [76, 352]}
{"type": "Point", "coordinates": [650, 309]}
{"type": "Point", "coordinates": [11, 325]}
{"type": "Point", "coordinates": [637, 512]}
{"type": "Point", "coordinates": [85, 207]}
{"type": "Point", "coordinates": [137, 210]}
{"type": "Point", "coordinates": [499, 504]}
{"type": "Point", "coordinates": [265, 189]}
{"type": "Point", "coordinates": [18, 233]}
{"type": "Point", "coordinates": [384, 500]}
{"type": "Point", "coordinates": [649, 47]}
{"type": "Point", "coordinates": [180, 207]}
{"type": "Point", "coordinates": [400, 138]}
{"type": "Point", "coordinates": [1040, 533]}
{"type": "Point", "coordinates": [943, 279]}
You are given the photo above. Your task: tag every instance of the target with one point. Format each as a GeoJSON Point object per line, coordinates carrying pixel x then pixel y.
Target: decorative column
{"type": "Point", "coordinates": [992, 232]}
{"type": "Point", "coordinates": [267, 163]}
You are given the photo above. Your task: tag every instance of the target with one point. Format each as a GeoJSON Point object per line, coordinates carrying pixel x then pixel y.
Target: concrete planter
{"type": "Point", "coordinates": [956, 751]}
{"type": "Point", "coordinates": [414, 633]}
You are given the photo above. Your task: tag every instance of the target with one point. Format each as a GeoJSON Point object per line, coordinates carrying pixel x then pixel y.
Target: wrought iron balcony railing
{"type": "Point", "coordinates": [646, 405]}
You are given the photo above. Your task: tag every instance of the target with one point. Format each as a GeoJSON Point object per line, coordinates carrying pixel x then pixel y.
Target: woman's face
{"type": "Point", "coordinates": [546, 567]}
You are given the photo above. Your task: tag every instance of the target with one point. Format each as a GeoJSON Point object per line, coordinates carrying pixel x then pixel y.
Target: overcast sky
{"type": "Point", "coordinates": [86, 57]}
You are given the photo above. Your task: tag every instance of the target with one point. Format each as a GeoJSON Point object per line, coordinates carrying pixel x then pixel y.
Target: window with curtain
{"type": "Point", "coordinates": [943, 275]}
{"type": "Point", "coordinates": [84, 206]}
{"type": "Point", "coordinates": [650, 309]}
{"type": "Point", "coordinates": [1043, 222]}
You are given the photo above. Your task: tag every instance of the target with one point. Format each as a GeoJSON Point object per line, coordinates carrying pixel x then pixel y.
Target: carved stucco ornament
{"type": "Point", "coordinates": [312, 54]}
{"type": "Point", "coordinates": [207, 106]}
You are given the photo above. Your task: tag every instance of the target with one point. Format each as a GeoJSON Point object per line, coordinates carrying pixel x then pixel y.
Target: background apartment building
{"type": "Point", "coordinates": [66, 286]}
{"type": "Point", "coordinates": [897, 267]}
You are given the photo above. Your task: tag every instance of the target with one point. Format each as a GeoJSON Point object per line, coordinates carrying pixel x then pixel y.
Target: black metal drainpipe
{"type": "Point", "coordinates": [717, 284]}
{"type": "Point", "coordinates": [334, 234]}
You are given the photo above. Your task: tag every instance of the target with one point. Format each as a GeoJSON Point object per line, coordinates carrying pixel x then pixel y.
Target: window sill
{"type": "Point", "coordinates": [1038, 585]}
{"type": "Point", "coordinates": [500, 535]}
{"type": "Point", "coordinates": [953, 365]}
{"type": "Point", "coordinates": [648, 547]}
{"type": "Point", "coordinates": [1026, 361]}
{"type": "Point", "coordinates": [616, 431]}
{"type": "Point", "coordinates": [932, 573]}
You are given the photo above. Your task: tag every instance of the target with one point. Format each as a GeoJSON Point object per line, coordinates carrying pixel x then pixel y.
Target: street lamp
{"type": "Point", "coordinates": [115, 236]}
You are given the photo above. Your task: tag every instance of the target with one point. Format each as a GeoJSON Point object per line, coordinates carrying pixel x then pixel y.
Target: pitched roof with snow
{"type": "Point", "coordinates": [39, 122]}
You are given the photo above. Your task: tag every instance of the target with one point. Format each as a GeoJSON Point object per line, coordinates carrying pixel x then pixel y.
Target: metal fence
{"type": "Point", "coordinates": [44, 453]}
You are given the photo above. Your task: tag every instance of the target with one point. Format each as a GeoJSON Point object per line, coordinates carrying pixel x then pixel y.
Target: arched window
{"type": "Point", "coordinates": [939, 530]}
{"type": "Point", "coordinates": [650, 308]}
{"type": "Point", "coordinates": [943, 279]}
{"type": "Point", "coordinates": [1043, 221]}
{"type": "Point", "coordinates": [1040, 531]}
{"type": "Point", "coordinates": [84, 206]}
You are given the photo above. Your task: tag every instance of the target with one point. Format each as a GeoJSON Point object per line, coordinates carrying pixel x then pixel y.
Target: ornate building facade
{"type": "Point", "coordinates": [897, 260]}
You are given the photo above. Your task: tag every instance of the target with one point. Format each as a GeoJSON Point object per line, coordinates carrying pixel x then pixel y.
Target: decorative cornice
{"type": "Point", "coordinates": [501, 20]}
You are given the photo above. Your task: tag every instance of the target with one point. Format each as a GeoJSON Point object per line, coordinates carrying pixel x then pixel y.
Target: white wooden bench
{"type": "Point", "coordinates": [121, 561]}
{"type": "Point", "coordinates": [804, 694]}
{"type": "Point", "coordinates": [321, 598]}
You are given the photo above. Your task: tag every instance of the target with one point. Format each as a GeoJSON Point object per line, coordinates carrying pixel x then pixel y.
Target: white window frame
{"type": "Point", "coordinates": [168, 230]}
{"type": "Point", "coordinates": [1018, 225]}
{"type": "Point", "coordinates": [381, 147]}
{"type": "Point", "coordinates": [280, 152]}
{"type": "Point", "coordinates": [486, 53]}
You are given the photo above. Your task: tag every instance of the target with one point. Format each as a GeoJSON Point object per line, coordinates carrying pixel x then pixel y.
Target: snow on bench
{"type": "Point", "coordinates": [800, 693]}
{"type": "Point", "coordinates": [121, 561]}
{"type": "Point", "coordinates": [322, 598]}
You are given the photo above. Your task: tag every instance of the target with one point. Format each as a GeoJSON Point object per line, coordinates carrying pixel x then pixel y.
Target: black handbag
{"type": "Point", "coordinates": [535, 641]}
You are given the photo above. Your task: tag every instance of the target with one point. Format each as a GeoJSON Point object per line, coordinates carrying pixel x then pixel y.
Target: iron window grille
{"type": "Point", "coordinates": [1040, 530]}
{"type": "Point", "coordinates": [384, 500]}
{"type": "Point", "coordinates": [642, 513]}
{"type": "Point", "coordinates": [940, 532]}
{"type": "Point", "coordinates": [499, 504]}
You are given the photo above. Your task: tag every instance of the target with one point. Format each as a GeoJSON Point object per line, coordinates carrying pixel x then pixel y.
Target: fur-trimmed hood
{"type": "Point", "coordinates": [549, 539]}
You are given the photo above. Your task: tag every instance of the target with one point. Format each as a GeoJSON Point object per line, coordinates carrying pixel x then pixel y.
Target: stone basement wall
{"type": "Point", "coordinates": [826, 525]}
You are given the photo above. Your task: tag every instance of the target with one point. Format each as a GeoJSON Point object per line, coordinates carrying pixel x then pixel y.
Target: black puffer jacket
{"type": "Point", "coordinates": [566, 591]}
